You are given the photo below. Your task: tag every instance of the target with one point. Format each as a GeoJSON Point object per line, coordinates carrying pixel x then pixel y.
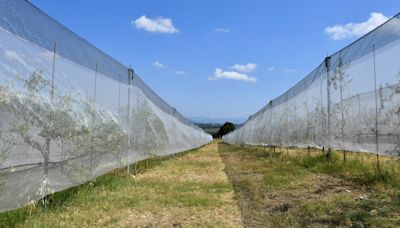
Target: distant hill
{"type": "Point", "coordinates": [208, 120]}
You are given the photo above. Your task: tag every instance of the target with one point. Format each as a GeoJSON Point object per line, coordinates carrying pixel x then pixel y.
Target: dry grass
{"type": "Point", "coordinates": [221, 185]}
{"type": "Point", "coordinates": [189, 191]}
{"type": "Point", "coordinates": [198, 194]}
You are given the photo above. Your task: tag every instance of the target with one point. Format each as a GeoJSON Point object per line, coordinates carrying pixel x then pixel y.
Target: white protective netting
{"type": "Point", "coordinates": [69, 112]}
{"type": "Point", "coordinates": [351, 101]}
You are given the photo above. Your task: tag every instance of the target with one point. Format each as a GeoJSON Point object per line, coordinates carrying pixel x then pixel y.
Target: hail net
{"type": "Point", "coordinates": [351, 101]}
{"type": "Point", "coordinates": [69, 112]}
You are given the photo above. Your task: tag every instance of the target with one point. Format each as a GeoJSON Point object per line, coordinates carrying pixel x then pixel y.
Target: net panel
{"type": "Point", "coordinates": [351, 101]}
{"type": "Point", "coordinates": [69, 112]}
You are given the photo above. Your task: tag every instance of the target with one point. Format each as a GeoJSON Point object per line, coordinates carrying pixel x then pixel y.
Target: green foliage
{"type": "Point", "coordinates": [149, 132]}
{"type": "Point", "coordinates": [295, 189]}
{"type": "Point", "coordinates": [225, 129]}
{"type": "Point", "coordinates": [210, 128]}
{"type": "Point", "coordinates": [353, 170]}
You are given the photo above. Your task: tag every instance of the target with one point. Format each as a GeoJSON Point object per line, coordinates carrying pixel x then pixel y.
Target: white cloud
{"type": "Point", "coordinates": [271, 68]}
{"type": "Point", "coordinates": [223, 30]}
{"type": "Point", "coordinates": [339, 32]}
{"type": "Point", "coordinates": [158, 64]}
{"type": "Point", "coordinates": [157, 25]}
{"type": "Point", "coordinates": [233, 75]}
{"type": "Point", "coordinates": [169, 70]}
{"type": "Point", "coordinates": [245, 68]}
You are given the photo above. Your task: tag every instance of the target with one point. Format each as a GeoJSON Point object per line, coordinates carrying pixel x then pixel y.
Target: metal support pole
{"type": "Point", "coordinates": [93, 115]}
{"type": "Point", "coordinates": [295, 136]}
{"type": "Point", "coordinates": [130, 78]}
{"type": "Point", "coordinates": [328, 80]}
{"type": "Point", "coordinates": [322, 115]}
{"type": "Point", "coordinates": [119, 97]}
{"type": "Point", "coordinates": [342, 122]}
{"type": "Point", "coordinates": [376, 111]}
{"type": "Point", "coordinates": [308, 114]}
{"type": "Point", "coordinates": [53, 72]}
{"type": "Point", "coordinates": [286, 120]}
{"type": "Point", "coordinates": [270, 122]}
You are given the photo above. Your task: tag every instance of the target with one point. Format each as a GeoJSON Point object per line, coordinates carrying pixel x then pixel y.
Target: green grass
{"type": "Point", "coordinates": [222, 185]}
{"type": "Point", "coordinates": [297, 188]}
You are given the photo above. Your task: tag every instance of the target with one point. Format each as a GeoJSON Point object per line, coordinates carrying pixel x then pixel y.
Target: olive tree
{"type": "Point", "coordinates": [341, 80]}
{"type": "Point", "coordinates": [6, 140]}
{"type": "Point", "coordinates": [40, 123]}
{"type": "Point", "coordinates": [148, 129]}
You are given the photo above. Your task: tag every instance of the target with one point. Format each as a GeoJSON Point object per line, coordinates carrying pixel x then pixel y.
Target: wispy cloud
{"type": "Point", "coordinates": [156, 25]}
{"type": "Point", "coordinates": [290, 70]}
{"type": "Point", "coordinates": [348, 30]}
{"type": "Point", "coordinates": [223, 30]}
{"type": "Point", "coordinates": [179, 72]}
{"type": "Point", "coordinates": [244, 68]}
{"type": "Point", "coordinates": [158, 65]}
{"type": "Point", "coordinates": [271, 68]}
{"type": "Point", "coordinates": [233, 75]}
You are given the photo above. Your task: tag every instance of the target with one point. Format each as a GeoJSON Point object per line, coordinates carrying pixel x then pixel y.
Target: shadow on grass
{"type": "Point", "coordinates": [232, 157]}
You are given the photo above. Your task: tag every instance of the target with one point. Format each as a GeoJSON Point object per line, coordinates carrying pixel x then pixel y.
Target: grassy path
{"type": "Point", "coordinates": [297, 189]}
{"type": "Point", "coordinates": [189, 191]}
{"type": "Point", "coordinates": [222, 185]}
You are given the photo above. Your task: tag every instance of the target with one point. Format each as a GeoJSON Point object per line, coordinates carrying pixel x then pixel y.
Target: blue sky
{"type": "Point", "coordinates": [220, 58]}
